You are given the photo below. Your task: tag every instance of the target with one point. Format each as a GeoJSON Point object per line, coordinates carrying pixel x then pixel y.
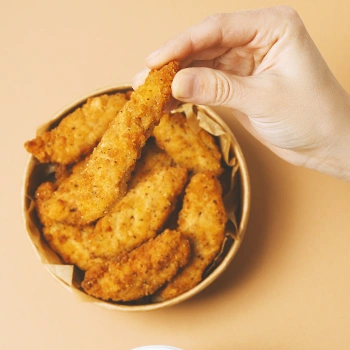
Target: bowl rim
{"type": "Point", "coordinates": [241, 229]}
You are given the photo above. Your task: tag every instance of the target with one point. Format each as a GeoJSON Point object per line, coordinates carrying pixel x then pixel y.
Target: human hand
{"type": "Point", "coordinates": [265, 67]}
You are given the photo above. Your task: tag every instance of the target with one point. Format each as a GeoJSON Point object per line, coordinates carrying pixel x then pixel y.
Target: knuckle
{"type": "Point", "coordinates": [224, 90]}
{"type": "Point", "coordinates": [287, 10]}
{"type": "Point", "coordinates": [217, 17]}
{"type": "Point", "coordinates": [290, 16]}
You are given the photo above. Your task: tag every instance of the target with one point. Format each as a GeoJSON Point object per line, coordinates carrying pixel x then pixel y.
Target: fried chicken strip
{"type": "Point", "coordinates": [91, 193]}
{"type": "Point", "coordinates": [43, 194]}
{"type": "Point", "coordinates": [50, 208]}
{"type": "Point", "coordinates": [63, 171]}
{"type": "Point", "coordinates": [152, 157]}
{"type": "Point", "coordinates": [141, 272]}
{"type": "Point", "coordinates": [79, 132]}
{"type": "Point", "coordinates": [136, 218]}
{"type": "Point", "coordinates": [70, 242]}
{"type": "Point", "coordinates": [194, 151]}
{"type": "Point", "coordinates": [140, 214]}
{"type": "Point", "coordinates": [202, 220]}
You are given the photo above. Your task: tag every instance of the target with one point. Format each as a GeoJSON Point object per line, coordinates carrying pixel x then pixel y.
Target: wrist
{"type": "Point", "coordinates": [335, 159]}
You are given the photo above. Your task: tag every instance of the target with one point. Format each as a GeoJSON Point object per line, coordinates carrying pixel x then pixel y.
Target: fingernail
{"type": "Point", "coordinates": [153, 55]}
{"type": "Point", "coordinates": [140, 78]}
{"type": "Point", "coordinates": [185, 85]}
{"type": "Point", "coordinates": [170, 105]}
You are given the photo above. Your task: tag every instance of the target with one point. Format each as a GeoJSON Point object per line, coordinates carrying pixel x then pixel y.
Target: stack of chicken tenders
{"type": "Point", "coordinates": [136, 201]}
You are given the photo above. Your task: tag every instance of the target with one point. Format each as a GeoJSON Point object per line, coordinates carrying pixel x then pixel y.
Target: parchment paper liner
{"type": "Point", "coordinates": [237, 202]}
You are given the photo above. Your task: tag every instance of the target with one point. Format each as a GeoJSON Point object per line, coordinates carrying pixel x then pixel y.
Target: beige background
{"type": "Point", "coordinates": [289, 286]}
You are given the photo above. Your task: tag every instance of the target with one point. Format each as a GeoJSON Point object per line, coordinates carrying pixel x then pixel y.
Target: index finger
{"type": "Point", "coordinates": [226, 30]}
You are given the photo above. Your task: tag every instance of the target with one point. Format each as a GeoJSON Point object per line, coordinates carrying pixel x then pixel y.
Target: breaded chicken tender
{"type": "Point", "coordinates": [43, 194]}
{"type": "Point", "coordinates": [194, 151]}
{"type": "Point", "coordinates": [202, 220]}
{"type": "Point", "coordinates": [79, 132]}
{"type": "Point", "coordinates": [88, 195]}
{"type": "Point", "coordinates": [141, 272]}
{"type": "Point", "coordinates": [48, 209]}
{"type": "Point", "coordinates": [53, 210]}
{"type": "Point", "coordinates": [63, 171]}
{"type": "Point", "coordinates": [71, 243]}
{"type": "Point", "coordinates": [136, 218]}
{"type": "Point", "coordinates": [140, 214]}
{"type": "Point", "coordinates": [152, 157]}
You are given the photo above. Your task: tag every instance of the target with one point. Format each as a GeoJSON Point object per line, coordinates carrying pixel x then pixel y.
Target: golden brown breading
{"type": "Point", "coordinates": [90, 194]}
{"type": "Point", "coordinates": [43, 193]}
{"type": "Point", "coordinates": [71, 243]}
{"type": "Point", "coordinates": [79, 132]}
{"type": "Point", "coordinates": [140, 214]}
{"type": "Point", "coordinates": [63, 171]}
{"type": "Point", "coordinates": [136, 218]}
{"type": "Point", "coordinates": [152, 157]}
{"type": "Point", "coordinates": [51, 208]}
{"type": "Point", "coordinates": [194, 151]}
{"type": "Point", "coordinates": [141, 272]}
{"type": "Point", "coordinates": [202, 220]}
{"type": "Point", "coordinates": [67, 241]}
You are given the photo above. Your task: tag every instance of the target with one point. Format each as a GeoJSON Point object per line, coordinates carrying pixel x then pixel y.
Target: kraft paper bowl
{"type": "Point", "coordinates": [237, 202]}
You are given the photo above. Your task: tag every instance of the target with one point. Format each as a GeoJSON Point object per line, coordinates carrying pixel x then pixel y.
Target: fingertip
{"type": "Point", "coordinates": [153, 55]}
{"type": "Point", "coordinates": [140, 78]}
{"type": "Point", "coordinates": [155, 60]}
{"type": "Point", "coordinates": [185, 85]}
{"type": "Point", "coordinates": [161, 56]}
{"type": "Point", "coordinates": [172, 104]}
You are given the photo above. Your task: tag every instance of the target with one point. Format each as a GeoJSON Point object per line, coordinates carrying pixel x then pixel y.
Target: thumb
{"type": "Point", "coordinates": [214, 87]}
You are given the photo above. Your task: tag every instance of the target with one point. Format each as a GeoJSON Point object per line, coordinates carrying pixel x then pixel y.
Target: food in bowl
{"type": "Point", "coordinates": [137, 203]}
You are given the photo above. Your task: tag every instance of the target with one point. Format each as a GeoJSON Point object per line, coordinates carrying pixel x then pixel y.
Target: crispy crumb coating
{"type": "Point", "coordinates": [52, 209]}
{"type": "Point", "coordinates": [194, 151]}
{"type": "Point", "coordinates": [63, 171]}
{"type": "Point", "coordinates": [141, 272]}
{"type": "Point", "coordinates": [91, 193]}
{"type": "Point", "coordinates": [202, 220]}
{"type": "Point", "coordinates": [71, 243]}
{"type": "Point", "coordinates": [136, 218]}
{"type": "Point", "coordinates": [152, 157]}
{"type": "Point", "coordinates": [43, 194]}
{"type": "Point", "coordinates": [140, 214]}
{"type": "Point", "coordinates": [79, 132]}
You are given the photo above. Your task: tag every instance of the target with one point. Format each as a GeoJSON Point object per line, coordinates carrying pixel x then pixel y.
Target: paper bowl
{"type": "Point", "coordinates": [70, 277]}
